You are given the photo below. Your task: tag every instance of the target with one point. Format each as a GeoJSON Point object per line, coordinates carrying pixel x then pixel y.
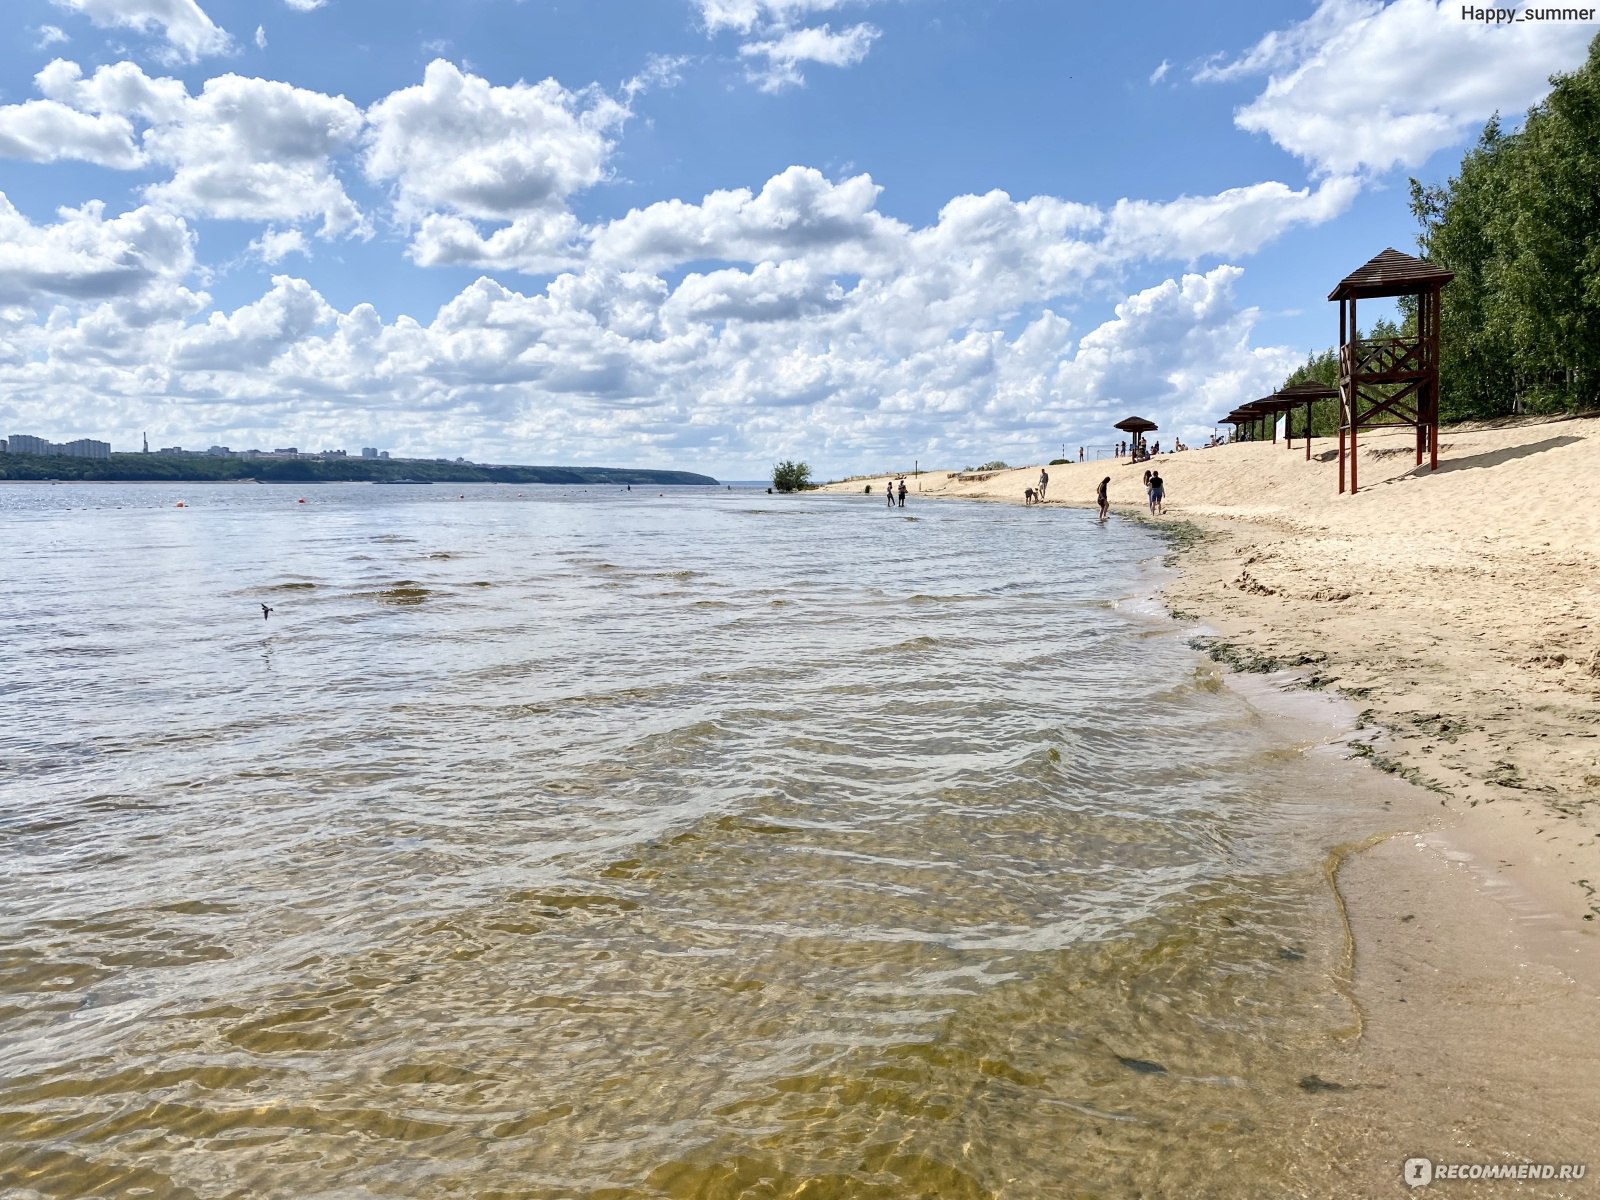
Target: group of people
{"type": "Point", "coordinates": [1035, 494]}
{"type": "Point", "coordinates": [895, 489]}
{"type": "Point", "coordinates": [1155, 490]}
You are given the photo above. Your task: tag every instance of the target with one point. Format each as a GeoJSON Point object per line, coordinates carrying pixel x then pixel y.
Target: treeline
{"type": "Point", "coordinates": [134, 468]}
{"type": "Point", "coordinates": [1519, 224]}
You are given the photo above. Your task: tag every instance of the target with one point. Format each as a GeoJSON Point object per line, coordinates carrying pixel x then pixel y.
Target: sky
{"type": "Point", "coordinates": [707, 234]}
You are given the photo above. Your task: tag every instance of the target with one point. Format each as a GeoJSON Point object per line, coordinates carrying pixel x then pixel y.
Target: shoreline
{"type": "Point", "coordinates": [1458, 618]}
{"type": "Point", "coordinates": [1471, 650]}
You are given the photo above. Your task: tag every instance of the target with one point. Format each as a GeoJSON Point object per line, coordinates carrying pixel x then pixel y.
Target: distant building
{"type": "Point", "coordinates": [22, 443]}
{"type": "Point", "coordinates": [288, 452]}
{"type": "Point", "coordinates": [4, 443]}
{"type": "Point", "coordinates": [383, 454]}
{"type": "Point", "coordinates": [85, 448]}
{"type": "Point", "coordinates": [369, 452]}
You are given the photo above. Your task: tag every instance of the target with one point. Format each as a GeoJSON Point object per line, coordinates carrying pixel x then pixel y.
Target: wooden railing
{"type": "Point", "coordinates": [1383, 358]}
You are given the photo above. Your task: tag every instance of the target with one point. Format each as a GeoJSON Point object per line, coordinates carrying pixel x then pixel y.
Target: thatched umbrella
{"type": "Point", "coordinates": [1137, 426]}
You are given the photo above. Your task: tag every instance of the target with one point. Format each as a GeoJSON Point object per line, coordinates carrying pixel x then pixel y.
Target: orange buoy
{"type": "Point", "coordinates": [302, 500]}
{"type": "Point", "coordinates": [180, 504]}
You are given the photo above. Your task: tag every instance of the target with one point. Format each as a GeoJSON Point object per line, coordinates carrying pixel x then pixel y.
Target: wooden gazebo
{"type": "Point", "coordinates": [1294, 397]}
{"type": "Point", "coordinates": [1390, 381]}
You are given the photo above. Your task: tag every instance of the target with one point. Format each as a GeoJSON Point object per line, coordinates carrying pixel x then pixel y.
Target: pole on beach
{"type": "Point", "coordinates": [916, 470]}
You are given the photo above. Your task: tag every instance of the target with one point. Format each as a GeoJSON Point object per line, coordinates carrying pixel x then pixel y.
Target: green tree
{"type": "Point", "coordinates": [790, 476]}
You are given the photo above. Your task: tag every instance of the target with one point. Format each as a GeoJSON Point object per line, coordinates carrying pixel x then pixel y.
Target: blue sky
{"type": "Point", "coordinates": [705, 233]}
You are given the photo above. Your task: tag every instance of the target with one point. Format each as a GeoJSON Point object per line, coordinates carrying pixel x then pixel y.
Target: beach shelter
{"type": "Point", "coordinates": [1390, 381]}
{"type": "Point", "coordinates": [1307, 394]}
{"type": "Point", "coordinates": [1137, 427]}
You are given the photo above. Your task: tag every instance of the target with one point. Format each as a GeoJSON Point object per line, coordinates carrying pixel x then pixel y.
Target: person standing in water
{"type": "Point", "coordinates": [902, 492]}
{"type": "Point", "coordinates": [888, 490]}
{"type": "Point", "coordinates": [1100, 495]}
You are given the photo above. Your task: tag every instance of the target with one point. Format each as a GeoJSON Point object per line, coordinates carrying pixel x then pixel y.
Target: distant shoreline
{"type": "Point", "coordinates": [157, 468]}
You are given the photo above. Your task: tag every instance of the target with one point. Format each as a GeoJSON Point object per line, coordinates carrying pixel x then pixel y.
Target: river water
{"type": "Point", "coordinates": [565, 842]}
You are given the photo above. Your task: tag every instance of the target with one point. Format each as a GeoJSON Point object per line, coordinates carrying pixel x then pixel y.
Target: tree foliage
{"type": "Point", "coordinates": [1519, 224]}
{"type": "Point", "coordinates": [790, 476]}
{"type": "Point", "coordinates": [1520, 227]}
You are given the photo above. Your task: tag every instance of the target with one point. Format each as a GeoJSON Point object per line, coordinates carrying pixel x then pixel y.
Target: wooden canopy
{"type": "Point", "coordinates": [1391, 274]}
{"type": "Point", "coordinates": [1136, 425]}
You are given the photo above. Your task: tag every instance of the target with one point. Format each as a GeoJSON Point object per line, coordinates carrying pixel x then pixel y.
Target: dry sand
{"type": "Point", "coordinates": [1459, 613]}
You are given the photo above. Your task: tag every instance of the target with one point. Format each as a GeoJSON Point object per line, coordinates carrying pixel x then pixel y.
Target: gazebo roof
{"type": "Point", "coordinates": [1391, 274]}
{"type": "Point", "coordinates": [1302, 392]}
{"type": "Point", "coordinates": [1136, 425]}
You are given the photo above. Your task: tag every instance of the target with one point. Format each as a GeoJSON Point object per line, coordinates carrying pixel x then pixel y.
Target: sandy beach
{"type": "Point", "coordinates": [1458, 615]}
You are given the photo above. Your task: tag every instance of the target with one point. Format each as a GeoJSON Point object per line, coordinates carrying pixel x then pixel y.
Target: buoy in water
{"type": "Point", "coordinates": [302, 500]}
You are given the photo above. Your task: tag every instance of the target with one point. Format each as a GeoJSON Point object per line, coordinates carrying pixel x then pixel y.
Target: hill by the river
{"type": "Point", "coordinates": [134, 468]}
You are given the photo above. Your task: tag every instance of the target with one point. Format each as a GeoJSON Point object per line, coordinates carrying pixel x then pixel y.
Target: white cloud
{"type": "Point", "coordinates": [744, 16]}
{"type": "Point", "coordinates": [189, 33]}
{"type": "Point", "coordinates": [1160, 72]}
{"type": "Point", "coordinates": [1360, 86]}
{"type": "Point", "coordinates": [244, 149]}
{"type": "Point", "coordinates": [261, 37]}
{"type": "Point", "coordinates": [305, 5]}
{"type": "Point", "coordinates": [457, 143]}
{"type": "Point", "coordinates": [797, 213]}
{"type": "Point", "coordinates": [784, 54]}
{"type": "Point", "coordinates": [259, 150]}
{"type": "Point", "coordinates": [46, 131]}
{"type": "Point", "coordinates": [777, 44]}
{"type": "Point", "coordinates": [50, 35]}
{"type": "Point", "coordinates": [252, 336]}
{"type": "Point", "coordinates": [86, 257]}
{"type": "Point", "coordinates": [275, 245]}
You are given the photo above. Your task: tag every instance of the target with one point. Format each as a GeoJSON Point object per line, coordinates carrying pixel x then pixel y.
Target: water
{"type": "Point", "coordinates": [576, 842]}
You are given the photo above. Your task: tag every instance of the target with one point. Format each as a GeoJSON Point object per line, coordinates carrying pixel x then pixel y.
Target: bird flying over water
{"type": "Point", "coordinates": [265, 612]}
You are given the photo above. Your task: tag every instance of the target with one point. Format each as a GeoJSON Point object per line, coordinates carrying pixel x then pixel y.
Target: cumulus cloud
{"type": "Point", "coordinates": [458, 143]}
{"type": "Point", "coordinates": [246, 149]}
{"type": "Point", "coordinates": [275, 245]}
{"type": "Point", "coordinates": [256, 149]}
{"type": "Point", "coordinates": [46, 131]}
{"type": "Point", "coordinates": [50, 35]}
{"type": "Point", "coordinates": [1366, 87]}
{"type": "Point", "coordinates": [189, 34]}
{"type": "Point", "coordinates": [84, 256]}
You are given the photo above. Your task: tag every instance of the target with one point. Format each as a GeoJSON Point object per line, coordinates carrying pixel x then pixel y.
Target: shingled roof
{"type": "Point", "coordinates": [1302, 392]}
{"type": "Point", "coordinates": [1391, 274]}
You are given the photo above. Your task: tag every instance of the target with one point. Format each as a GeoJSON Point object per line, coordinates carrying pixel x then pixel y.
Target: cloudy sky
{"type": "Point", "coordinates": [706, 234]}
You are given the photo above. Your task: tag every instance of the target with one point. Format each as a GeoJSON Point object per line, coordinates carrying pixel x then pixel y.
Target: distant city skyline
{"type": "Point", "coordinates": [710, 234]}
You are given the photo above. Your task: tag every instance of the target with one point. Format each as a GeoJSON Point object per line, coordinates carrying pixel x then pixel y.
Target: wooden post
{"type": "Point", "coordinates": [1308, 431]}
{"type": "Point", "coordinates": [1342, 303]}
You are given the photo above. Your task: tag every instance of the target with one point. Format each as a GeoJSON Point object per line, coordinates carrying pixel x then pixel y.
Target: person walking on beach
{"type": "Point", "coordinates": [1158, 494]}
{"type": "Point", "coordinates": [1044, 482]}
{"type": "Point", "coordinates": [1080, 453]}
{"type": "Point", "coordinates": [902, 491]}
{"type": "Point", "coordinates": [1100, 495]}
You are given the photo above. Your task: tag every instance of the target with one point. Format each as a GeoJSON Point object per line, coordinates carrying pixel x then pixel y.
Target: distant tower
{"type": "Point", "coordinates": [147, 443]}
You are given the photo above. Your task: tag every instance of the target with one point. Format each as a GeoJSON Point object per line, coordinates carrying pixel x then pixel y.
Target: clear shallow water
{"type": "Point", "coordinates": [569, 842]}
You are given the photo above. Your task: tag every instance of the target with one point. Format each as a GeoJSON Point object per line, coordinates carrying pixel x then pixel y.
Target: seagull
{"type": "Point", "coordinates": [265, 612]}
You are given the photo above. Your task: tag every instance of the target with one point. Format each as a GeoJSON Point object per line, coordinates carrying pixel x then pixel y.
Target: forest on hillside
{"type": "Point", "coordinates": [1519, 224]}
